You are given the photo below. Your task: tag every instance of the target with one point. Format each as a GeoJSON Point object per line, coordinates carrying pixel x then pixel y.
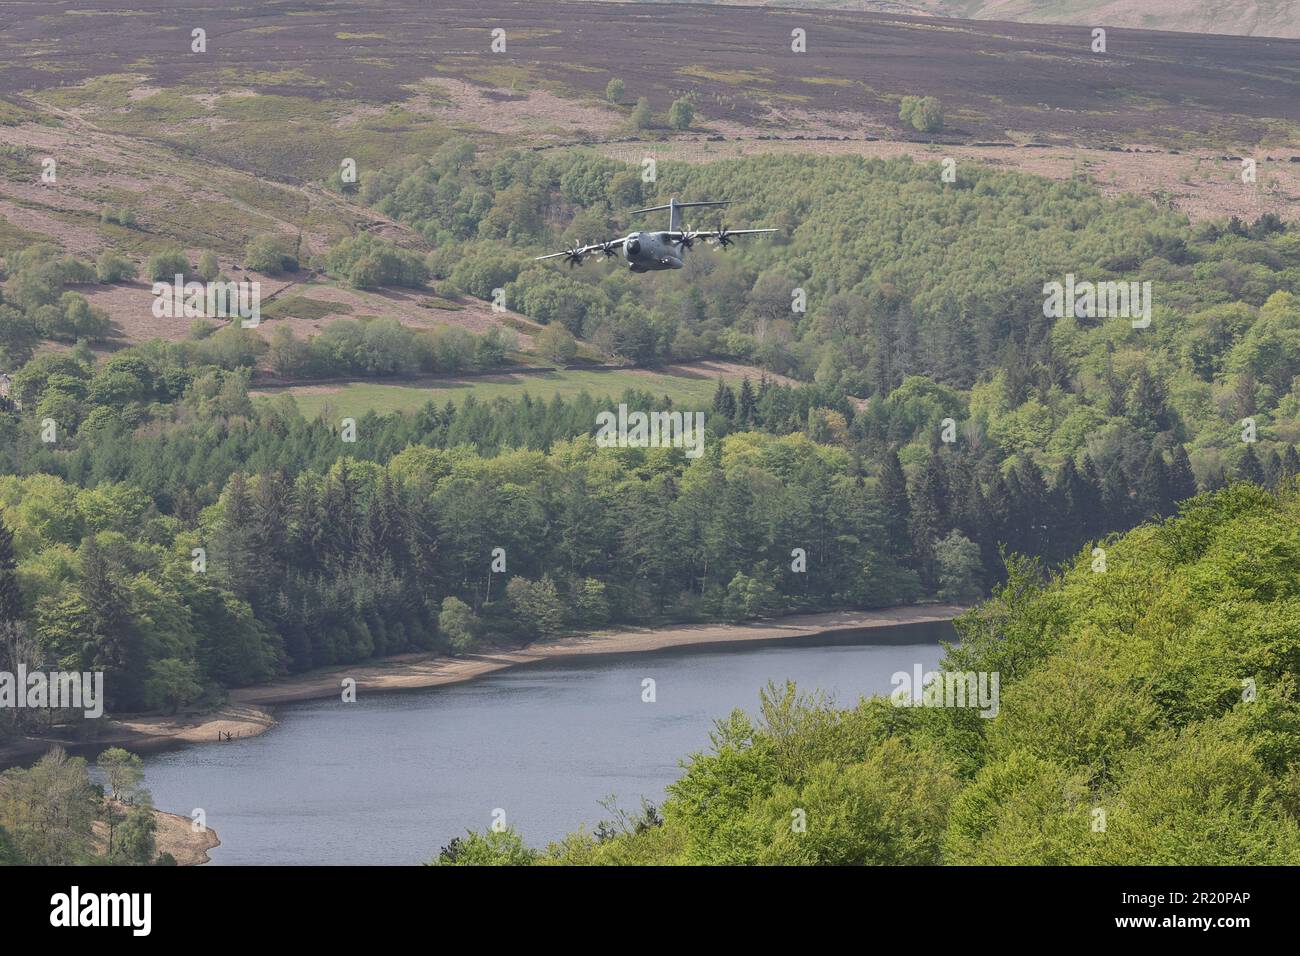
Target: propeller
{"type": "Point", "coordinates": [610, 248]}
{"type": "Point", "coordinates": [724, 237]}
{"type": "Point", "coordinates": [574, 256]}
{"type": "Point", "coordinates": [687, 239]}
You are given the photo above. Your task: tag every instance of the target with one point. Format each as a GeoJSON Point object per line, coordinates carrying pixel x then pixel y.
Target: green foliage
{"type": "Point", "coordinates": [9, 852]}
{"type": "Point", "coordinates": [269, 254]}
{"type": "Point", "coordinates": [552, 297]}
{"type": "Point", "coordinates": [72, 317]}
{"type": "Point", "coordinates": [536, 605]}
{"type": "Point", "coordinates": [1123, 737]}
{"type": "Point", "coordinates": [681, 114]}
{"type": "Point", "coordinates": [458, 625]}
{"type": "Point", "coordinates": [923, 113]}
{"type": "Point", "coordinates": [750, 596]}
{"type": "Point", "coordinates": [366, 262]}
{"type": "Point", "coordinates": [614, 91]}
{"type": "Point", "coordinates": [132, 841]}
{"type": "Point", "coordinates": [209, 268]}
{"type": "Point", "coordinates": [37, 277]}
{"type": "Point", "coordinates": [48, 813]}
{"type": "Point", "coordinates": [903, 275]}
{"type": "Point", "coordinates": [113, 268]}
{"type": "Point", "coordinates": [124, 773]}
{"type": "Point", "coordinates": [642, 114]}
{"type": "Point", "coordinates": [590, 604]}
{"type": "Point", "coordinates": [165, 266]}
{"type": "Point", "coordinates": [172, 684]}
{"type": "Point", "coordinates": [481, 269]}
{"type": "Point", "coordinates": [960, 569]}
{"type": "Point", "coordinates": [47, 810]}
{"type": "Point", "coordinates": [557, 344]}
{"type": "Point", "coordinates": [380, 347]}
{"type": "Point", "coordinates": [494, 848]}
{"type": "Point", "coordinates": [924, 304]}
{"type": "Point", "coordinates": [120, 216]}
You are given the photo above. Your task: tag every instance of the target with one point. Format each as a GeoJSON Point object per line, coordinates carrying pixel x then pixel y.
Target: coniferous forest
{"type": "Point", "coordinates": [946, 423]}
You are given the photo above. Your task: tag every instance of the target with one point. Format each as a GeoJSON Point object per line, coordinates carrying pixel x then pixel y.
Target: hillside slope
{"type": "Point", "coordinates": [1147, 716]}
{"type": "Point", "coordinates": [1265, 18]}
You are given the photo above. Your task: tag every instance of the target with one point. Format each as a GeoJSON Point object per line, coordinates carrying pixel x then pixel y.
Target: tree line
{"type": "Point", "coordinates": [1147, 717]}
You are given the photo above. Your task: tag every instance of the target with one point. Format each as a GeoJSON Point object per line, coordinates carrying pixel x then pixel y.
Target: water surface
{"type": "Point", "coordinates": [394, 776]}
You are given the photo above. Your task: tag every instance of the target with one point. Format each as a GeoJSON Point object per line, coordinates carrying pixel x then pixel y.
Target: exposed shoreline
{"type": "Point", "coordinates": [174, 834]}
{"type": "Point", "coordinates": [247, 712]}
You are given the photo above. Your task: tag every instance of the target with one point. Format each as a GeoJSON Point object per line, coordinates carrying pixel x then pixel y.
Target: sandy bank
{"type": "Point", "coordinates": [174, 835]}
{"type": "Point", "coordinates": [245, 716]}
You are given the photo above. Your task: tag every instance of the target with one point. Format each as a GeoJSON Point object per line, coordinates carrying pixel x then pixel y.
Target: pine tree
{"type": "Point", "coordinates": [270, 532]}
{"type": "Point", "coordinates": [746, 404]}
{"type": "Point", "coordinates": [895, 505]}
{"type": "Point", "coordinates": [1290, 462]}
{"type": "Point", "coordinates": [1146, 403]}
{"type": "Point", "coordinates": [1273, 469]}
{"type": "Point", "coordinates": [1153, 494]}
{"type": "Point", "coordinates": [1114, 387]}
{"type": "Point", "coordinates": [381, 532]}
{"type": "Point", "coordinates": [113, 636]}
{"type": "Point", "coordinates": [929, 518]}
{"type": "Point", "coordinates": [1116, 503]}
{"type": "Point", "coordinates": [977, 524]}
{"type": "Point", "coordinates": [235, 545]}
{"type": "Point", "coordinates": [1182, 483]}
{"type": "Point", "coordinates": [1066, 518]}
{"type": "Point", "coordinates": [1089, 502]}
{"type": "Point", "coordinates": [881, 374]}
{"type": "Point", "coordinates": [11, 599]}
{"type": "Point", "coordinates": [1000, 504]}
{"type": "Point", "coordinates": [305, 525]}
{"type": "Point", "coordinates": [1032, 508]}
{"type": "Point", "coordinates": [1249, 468]}
{"type": "Point", "coordinates": [724, 401]}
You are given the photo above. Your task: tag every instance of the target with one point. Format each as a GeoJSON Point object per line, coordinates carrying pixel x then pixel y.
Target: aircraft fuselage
{"type": "Point", "coordinates": [652, 251]}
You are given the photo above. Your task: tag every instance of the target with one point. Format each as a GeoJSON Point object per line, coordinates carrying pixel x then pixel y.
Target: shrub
{"type": "Point", "coordinates": [642, 115]}
{"type": "Point", "coordinates": [923, 113]}
{"type": "Point", "coordinates": [681, 114]}
{"type": "Point", "coordinates": [165, 266]}
{"type": "Point", "coordinates": [458, 624]}
{"type": "Point", "coordinates": [113, 268]}
{"type": "Point", "coordinates": [365, 262]}
{"type": "Point", "coordinates": [122, 217]}
{"type": "Point", "coordinates": [267, 253]}
{"type": "Point", "coordinates": [557, 344]}
{"type": "Point", "coordinates": [209, 267]}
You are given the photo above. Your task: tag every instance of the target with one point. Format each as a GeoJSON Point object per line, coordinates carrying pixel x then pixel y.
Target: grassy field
{"type": "Point", "coordinates": [691, 386]}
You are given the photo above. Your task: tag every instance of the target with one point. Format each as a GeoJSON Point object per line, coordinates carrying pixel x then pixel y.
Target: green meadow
{"type": "Point", "coordinates": [692, 388]}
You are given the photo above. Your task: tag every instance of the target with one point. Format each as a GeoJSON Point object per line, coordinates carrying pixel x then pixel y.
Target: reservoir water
{"type": "Point", "coordinates": [393, 777]}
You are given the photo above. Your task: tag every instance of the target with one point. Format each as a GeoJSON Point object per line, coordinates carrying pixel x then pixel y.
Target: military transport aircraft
{"type": "Point", "coordinates": [652, 251]}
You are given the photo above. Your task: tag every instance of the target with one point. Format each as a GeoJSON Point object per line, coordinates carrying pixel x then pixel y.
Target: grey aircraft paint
{"type": "Point", "coordinates": [656, 251]}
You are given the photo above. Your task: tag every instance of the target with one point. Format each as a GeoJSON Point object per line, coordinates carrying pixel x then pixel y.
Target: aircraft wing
{"type": "Point", "coordinates": [576, 254]}
{"type": "Point", "coordinates": [721, 234]}
{"type": "Point", "coordinates": [715, 233]}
